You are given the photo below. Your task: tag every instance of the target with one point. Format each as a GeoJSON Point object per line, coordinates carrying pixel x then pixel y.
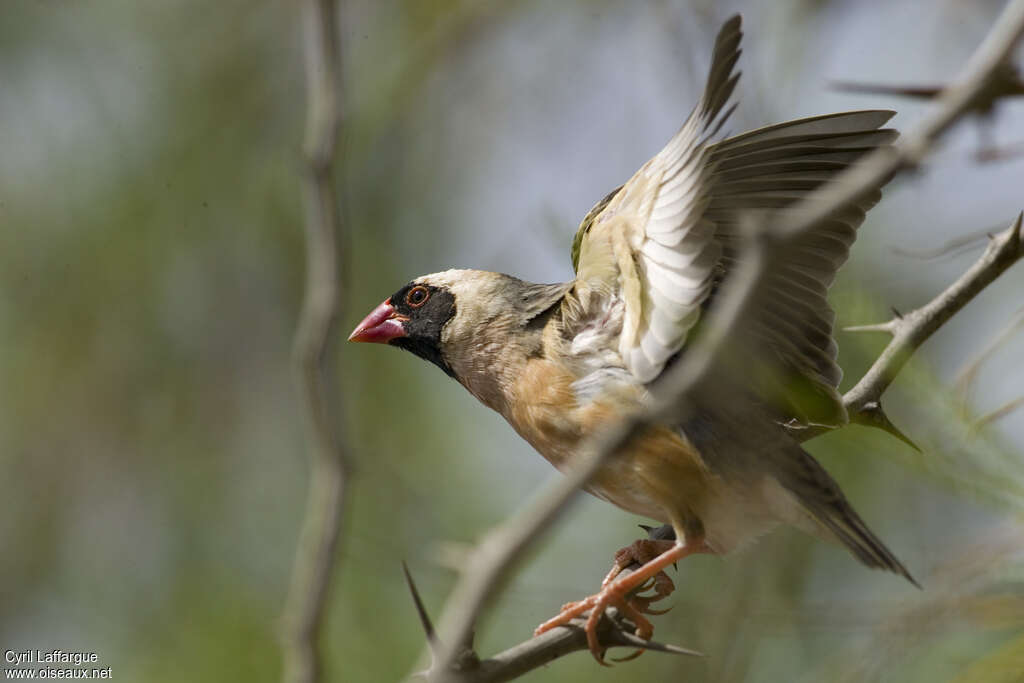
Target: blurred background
{"type": "Point", "coordinates": [152, 459]}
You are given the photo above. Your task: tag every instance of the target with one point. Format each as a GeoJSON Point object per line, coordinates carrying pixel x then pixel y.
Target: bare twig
{"type": "Point", "coordinates": [953, 247]}
{"type": "Point", "coordinates": [1004, 82]}
{"type": "Point", "coordinates": [502, 547]}
{"type": "Point", "coordinates": [912, 329]}
{"type": "Point", "coordinates": [971, 89]}
{"type": "Point", "coordinates": [992, 153]}
{"type": "Point", "coordinates": [314, 341]}
{"type": "Point", "coordinates": [911, 91]}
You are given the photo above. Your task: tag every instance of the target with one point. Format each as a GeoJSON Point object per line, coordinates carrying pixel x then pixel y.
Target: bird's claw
{"type": "Point", "coordinates": [620, 591]}
{"type": "Point", "coordinates": [646, 608]}
{"type": "Point", "coordinates": [630, 657]}
{"type": "Point", "coordinates": [610, 595]}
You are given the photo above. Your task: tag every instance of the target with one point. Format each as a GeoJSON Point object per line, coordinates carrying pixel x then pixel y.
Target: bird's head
{"type": "Point", "coordinates": [466, 322]}
{"type": "Point", "coordinates": [418, 316]}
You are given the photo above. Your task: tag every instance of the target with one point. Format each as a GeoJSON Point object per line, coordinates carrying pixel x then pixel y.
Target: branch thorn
{"type": "Point", "coordinates": [625, 638]}
{"type": "Point", "coordinates": [872, 415]}
{"type": "Point", "coordinates": [465, 660]}
{"type": "Point", "coordinates": [877, 327]}
{"type": "Point", "coordinates": [421, 610]}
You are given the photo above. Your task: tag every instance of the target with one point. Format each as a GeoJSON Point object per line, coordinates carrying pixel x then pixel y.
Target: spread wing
{"type": "Point", "coordinates": [651, 240]}
{"type": "Point", "coordinates": [668, 237]}
{"type": "Point", "coordinates": [790, 325]}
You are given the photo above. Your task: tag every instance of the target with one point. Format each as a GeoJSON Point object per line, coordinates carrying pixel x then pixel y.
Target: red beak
{"type": "Point", "coordinates": [381, 326]}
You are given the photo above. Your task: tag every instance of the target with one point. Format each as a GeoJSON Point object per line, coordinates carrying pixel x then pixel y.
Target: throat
{"type": "Point", "coordinates": [425, 350]}
{"type": "Point", "coordinates": [490, 374]}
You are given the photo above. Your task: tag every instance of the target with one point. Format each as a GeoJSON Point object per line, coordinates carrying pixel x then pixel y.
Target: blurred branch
{"type": "Point", "coordinates": [313, 346]}
{"type": "Point", "coordinates": [969, 373]}
{"type": "Point", "coordinates": [989, 154]}
{"type": "Point", "coordinates": [972, 90]}
{"type": "Point", "coordinates": [997, 414]}
{"type": "Point", "coordinates": [1004, 81]}
{"type": "Point", "coordinates": [952, 248]}
{"type": "Point", "coordinates": [912, 91]}
{"type": "Point", "coordinates": [503, 546]}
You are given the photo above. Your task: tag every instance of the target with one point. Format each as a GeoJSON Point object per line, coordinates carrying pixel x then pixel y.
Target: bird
{"type": "Point", "coordinates": [561, 361]}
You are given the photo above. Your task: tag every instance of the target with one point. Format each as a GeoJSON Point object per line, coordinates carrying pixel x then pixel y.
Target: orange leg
{"type": "Point", "coordinates": [641, 552]}
{"type": "Point", "coordinates": [614, 591]}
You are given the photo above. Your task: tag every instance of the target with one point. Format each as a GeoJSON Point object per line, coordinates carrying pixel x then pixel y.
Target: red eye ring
{"type": "Point", "coordinates": [417, 296]}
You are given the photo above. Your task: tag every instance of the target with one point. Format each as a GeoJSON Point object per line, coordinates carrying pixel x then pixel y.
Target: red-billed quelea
{"type": "Point", "coordinates": [561, 361]}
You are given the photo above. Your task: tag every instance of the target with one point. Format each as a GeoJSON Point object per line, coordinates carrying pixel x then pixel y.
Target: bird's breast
{"type": "Point", "coordinates": [660, 476]}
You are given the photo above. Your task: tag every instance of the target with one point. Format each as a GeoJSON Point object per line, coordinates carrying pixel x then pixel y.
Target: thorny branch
{"type": "Point", "coordinates": [910, 330]}
{"type": "Point", "coordinates": [536, 652]}
{"type": "Point", "coordinates": [313, 348]}
{"type": "Point", "coordinates": [499, 551]}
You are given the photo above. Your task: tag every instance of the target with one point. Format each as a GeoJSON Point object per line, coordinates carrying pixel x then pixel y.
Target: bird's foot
{"type": "Point", "coordinates": [616, 592]}
{"type": "Point", "coordinates": [597, 604]}
{"type": "Point", "coordinates": [640, 553]}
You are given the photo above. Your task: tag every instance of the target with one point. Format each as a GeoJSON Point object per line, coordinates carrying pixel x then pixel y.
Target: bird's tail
{"type": "Point", "coordinates": [825, 502]}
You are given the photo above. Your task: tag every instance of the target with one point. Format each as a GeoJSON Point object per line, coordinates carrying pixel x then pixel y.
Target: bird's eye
{"type": "Point", "coordinates": [417, 296]}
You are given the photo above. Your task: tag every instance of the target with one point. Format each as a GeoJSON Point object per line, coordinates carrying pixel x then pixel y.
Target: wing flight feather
{"type": "Point", "coordinates": [666, 239]}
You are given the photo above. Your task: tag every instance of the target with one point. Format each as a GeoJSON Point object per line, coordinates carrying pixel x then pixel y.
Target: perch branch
{"type": "Point", "coordinates": [614, 631]}
{"type": "Point", "coordinates": [313, 349]}
{"type": "Point", "coordinates": [501, 548]}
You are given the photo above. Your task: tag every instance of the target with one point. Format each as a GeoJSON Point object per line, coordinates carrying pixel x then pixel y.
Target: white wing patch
{"type": "Point", "coordinates": [651, 245]}
{"type": "Point", "coordinates": [664, 252]}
